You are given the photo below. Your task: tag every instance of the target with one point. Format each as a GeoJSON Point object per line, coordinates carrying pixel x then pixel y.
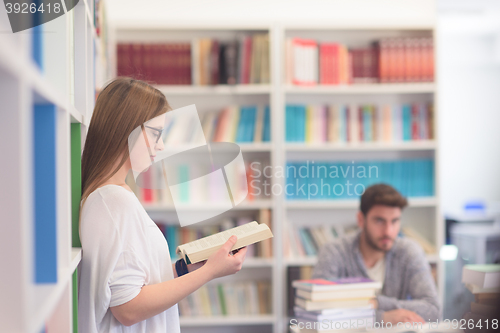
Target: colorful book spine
{"type": "Point", "coordinates": [347, 180]}
{"type": "Point", "coordinates": [351, 123]}
{"type": "Point", "coordinates": [204, 61]}
{"type": "Point", "coordinates": [388, 60]}
{"type": "Point", "coordinates": [229, 299]}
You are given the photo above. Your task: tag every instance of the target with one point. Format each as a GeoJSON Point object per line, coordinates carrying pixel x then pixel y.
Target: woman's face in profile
{"type": "Point", "coordinates": [149, 141]}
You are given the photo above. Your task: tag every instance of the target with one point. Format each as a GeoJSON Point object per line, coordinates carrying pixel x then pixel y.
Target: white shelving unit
{"type": "Point", "coordinates": [66, 82]}
{"type": "Point", "coordinates": [423, 213]}
{"type": "Point", "coordinates": [28, 307]}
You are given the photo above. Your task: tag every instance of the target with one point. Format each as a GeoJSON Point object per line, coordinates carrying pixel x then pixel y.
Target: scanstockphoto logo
{"type": "Point", "coordinates": [28, 14]}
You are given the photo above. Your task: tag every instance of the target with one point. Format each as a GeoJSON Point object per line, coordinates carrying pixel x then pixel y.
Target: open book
{"type": "Point", "coordinates": [203, 248]}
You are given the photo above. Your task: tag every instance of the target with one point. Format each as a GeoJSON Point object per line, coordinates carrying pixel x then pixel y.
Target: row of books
{"type": "Point", "coordinates": [176, 235]}
{"type": "Point", "coordinates": [338, 301]}
{"type": "Point", "coordinates": [405, 59]}
{"type": "Point", "coordinates": [484, 282]}
{"type": "Point", "coordinates": [251, 182]}
{"type": "Point", "coordinates": [204, 61]}
{"type": "Point", "coordinates": [159, 63]}
{"type": "Point", "coordinates": [323, 180]}
{"type": "Point", "coordinates": [241, 124]}
{"type": "Point", "coordinates": [307, 241]}
{"type": "Point", "coordinates": [228, 299]}
{"type": "Point", "coordinates": [356, 123]}
{"type": "Point", "coordinates": [241, 61]}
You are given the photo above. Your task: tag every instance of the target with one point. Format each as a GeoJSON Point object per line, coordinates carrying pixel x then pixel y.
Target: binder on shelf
{"type": "Point", "coordinates": [45, 196]}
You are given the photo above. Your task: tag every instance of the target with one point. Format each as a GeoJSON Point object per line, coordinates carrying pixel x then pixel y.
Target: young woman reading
{"type": "Point", "coordinates": [127, 282]}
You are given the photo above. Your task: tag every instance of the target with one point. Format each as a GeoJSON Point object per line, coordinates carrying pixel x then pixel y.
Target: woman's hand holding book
{"type": "Point", "coordinates": [224, 262]}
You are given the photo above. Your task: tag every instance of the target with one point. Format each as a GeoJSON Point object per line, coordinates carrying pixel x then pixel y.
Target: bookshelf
{"type": "Point", "coordinates": [423, 213]}
{"type": "Point", "coordinates": [340, 213]}
{"type": "Point", "coordinates": [214, 98]}
{"type": "Point", "coordinates": [48, 90]}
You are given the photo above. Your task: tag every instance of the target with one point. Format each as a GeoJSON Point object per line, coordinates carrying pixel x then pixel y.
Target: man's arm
{"type": "Point", "coordinates": [421, 288]}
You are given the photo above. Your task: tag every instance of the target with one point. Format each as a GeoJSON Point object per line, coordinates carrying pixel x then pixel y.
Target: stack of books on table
{"type": "Point", "coordinates": [484, 282]}
{"type": "Point", "coordinates": [323, 305]}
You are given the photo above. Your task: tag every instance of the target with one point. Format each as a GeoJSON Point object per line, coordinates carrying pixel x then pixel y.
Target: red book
{"type": "Point", "coordinates": [178, 63]}
{"type": "Point", "coordinates": [329, 63]}
{"type": "Point", "coordinates": [430, 60]}
{"type": "Point", "coordinates": [410, 60]}
{"type": "Point", "coordinates": [382, 60]}
{"type": "Point", "coordinates": [147, 192]}
{"type": "Point", "coordinates": [120, 59]}
{"type": "Point", "coordinates": [187, 64]}
{"type": "Point", "coordinates": [222, 124]}
{"type": "Point", "coordinates": [250, 196]}
{"type": "Point", "coordinates": [146, 62]}
{"type": "Point", "coordinates": [169, 74]}
{"type": "Point", "coordinates": [338, 65]}
{"type": "Point", "coordinates": [389, 57]}
{"type": "Point", "coordinates": [419, 52]}
{"type": "Point", "coordinates": [136, 56]}
{"type": "Point", "coordinates": [154, 64]}
{"type": "Point", "coordinates": [415, 130]}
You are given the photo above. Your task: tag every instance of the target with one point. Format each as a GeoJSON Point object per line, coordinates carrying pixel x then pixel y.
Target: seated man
{"type": "Point", "coordinates": [408, 293]}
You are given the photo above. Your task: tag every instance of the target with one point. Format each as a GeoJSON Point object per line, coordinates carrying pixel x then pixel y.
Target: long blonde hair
{"type": "Point", "coordinates": [122, 106]}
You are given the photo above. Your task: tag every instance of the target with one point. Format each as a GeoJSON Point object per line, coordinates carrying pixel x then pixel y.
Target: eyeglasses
{"type": "Point", "coordinates": [157, 133]}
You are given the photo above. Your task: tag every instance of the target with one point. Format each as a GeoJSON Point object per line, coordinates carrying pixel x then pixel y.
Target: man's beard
{"type": "Point", "coordinates": [371, 242]}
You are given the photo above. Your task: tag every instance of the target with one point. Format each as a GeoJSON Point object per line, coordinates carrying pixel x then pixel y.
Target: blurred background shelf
{"type": "Point", "coordinates": [238, 89]}
{"type": "Point", "coordinates": [363, 146]}
{"type": "Point", "coordinates": [373, 88]}
{"type": "Point", "coordinates": [313, 260]}
{"type": "Point", "coordinates": [245, 205]}
{"type": "Point", "coordinates": [226, 320]}
{"type": "Point", "coordinates": [352, 204]}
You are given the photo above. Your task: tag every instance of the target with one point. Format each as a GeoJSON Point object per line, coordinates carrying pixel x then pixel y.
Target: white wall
{"type": "Point", "coordinates": [469, 105]}
{"type": "Point", "coordinates": [268, 10]}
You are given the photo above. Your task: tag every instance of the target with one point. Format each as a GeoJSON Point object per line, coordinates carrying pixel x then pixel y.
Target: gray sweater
{"type": "Point", "coordinates": [408, 281]}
